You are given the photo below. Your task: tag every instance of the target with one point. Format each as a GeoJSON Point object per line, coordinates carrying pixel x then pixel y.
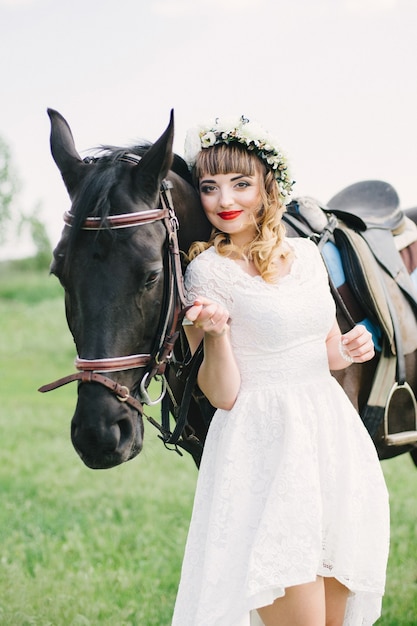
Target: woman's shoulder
{"type": "Point", "coordinates": [303, 246]}
{"type": "Point", "coordinates": [206, 254]}
{"type": "Point", "coordinates": [205, 260]}
{"type": "Point", "coordinates": [308, 256]}
{"type": "Point", "coordinates": [203, 265]}
{"type": "Point", "coordinates": [206, 276]}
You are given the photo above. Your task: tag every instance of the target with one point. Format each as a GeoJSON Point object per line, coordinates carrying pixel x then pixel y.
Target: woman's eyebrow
{"type": "Point", "coordinates": [241, 176]}
{"type": "Point", "coordinates": [209, 180]}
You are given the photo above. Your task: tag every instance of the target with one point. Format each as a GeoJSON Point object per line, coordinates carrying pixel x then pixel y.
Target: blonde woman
{"type": "Point", "coordinates": [290, 523]}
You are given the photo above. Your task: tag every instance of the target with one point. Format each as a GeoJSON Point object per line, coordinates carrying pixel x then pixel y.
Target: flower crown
{"type": "Point", "coordinates": [247, 133]}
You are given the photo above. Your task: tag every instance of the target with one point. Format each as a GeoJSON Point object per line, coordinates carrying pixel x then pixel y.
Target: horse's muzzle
{"type": "Point", "coordinates": [104, 431]}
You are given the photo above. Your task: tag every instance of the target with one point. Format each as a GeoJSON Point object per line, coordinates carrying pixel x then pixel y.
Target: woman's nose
{"type": "Point", "coordinates": [226, 198]}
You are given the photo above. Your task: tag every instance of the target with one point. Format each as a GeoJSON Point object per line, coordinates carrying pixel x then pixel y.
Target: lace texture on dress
{"type": "Point", "coordinates": [290, 486]}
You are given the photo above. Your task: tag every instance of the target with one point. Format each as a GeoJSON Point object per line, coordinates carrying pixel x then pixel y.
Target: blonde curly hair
{"type": "Point", "coordinates": [262, 251]}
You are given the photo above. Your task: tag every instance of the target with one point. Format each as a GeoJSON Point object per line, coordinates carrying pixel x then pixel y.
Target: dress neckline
{"type": "Point", "coordinates": [257, 277]}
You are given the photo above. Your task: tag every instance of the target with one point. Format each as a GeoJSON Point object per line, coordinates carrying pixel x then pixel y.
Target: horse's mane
{"type": "Point", "coordinates": [180, 167]}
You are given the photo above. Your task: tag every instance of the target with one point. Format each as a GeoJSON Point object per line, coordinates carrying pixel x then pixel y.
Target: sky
{"type": "Point", "coordinates": [334, 80]}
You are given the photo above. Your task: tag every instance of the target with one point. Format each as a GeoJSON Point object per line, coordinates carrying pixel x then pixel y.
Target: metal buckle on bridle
{"type": "Point", "coordinates": [165, 192]}
{"type": "Point", "coordinates": [126, 392]}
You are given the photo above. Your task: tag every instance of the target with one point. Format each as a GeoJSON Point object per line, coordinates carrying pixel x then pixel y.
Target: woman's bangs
{"type": "Point", "coordinates": [225, 159]}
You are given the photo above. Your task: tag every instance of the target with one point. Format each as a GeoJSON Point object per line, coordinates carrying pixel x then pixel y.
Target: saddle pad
{"type": "Point", "coordinates": [382, 246]}
{"type": "Point", "coordinates": [406, 234]}
{"type": "Point", "coordinates": [409, 257]}
{"type": "Point", "coordinates": [333, 261]}
{"type": "Point", "coordinates": [377, 289]}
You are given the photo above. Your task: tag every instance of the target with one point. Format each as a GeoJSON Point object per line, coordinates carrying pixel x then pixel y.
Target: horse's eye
{"type": "Point", "coordinates": [152, 279]}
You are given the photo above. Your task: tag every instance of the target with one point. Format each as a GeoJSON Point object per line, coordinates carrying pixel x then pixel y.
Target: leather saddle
{"type": "Point", "coordinates": [368, 204]}
{"type": "Point", "coordinates": [373, 208]}
{"type": "Point", "coordinates": [361, 220]}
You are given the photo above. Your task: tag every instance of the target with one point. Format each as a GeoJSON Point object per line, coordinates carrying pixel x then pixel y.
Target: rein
{"type": "Point", "coordinates": [93, 370]}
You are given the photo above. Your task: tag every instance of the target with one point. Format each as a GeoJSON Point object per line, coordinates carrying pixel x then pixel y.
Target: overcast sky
{"type": "Point", "coordinates": [335, 80]}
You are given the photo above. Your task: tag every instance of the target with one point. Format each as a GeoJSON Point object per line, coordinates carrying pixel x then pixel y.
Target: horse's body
{"type": "Point", "coordinates": [115, 291]}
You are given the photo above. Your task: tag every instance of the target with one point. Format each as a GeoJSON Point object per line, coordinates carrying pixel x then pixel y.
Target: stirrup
{"type": "Point", "coordinates": [408, 436]}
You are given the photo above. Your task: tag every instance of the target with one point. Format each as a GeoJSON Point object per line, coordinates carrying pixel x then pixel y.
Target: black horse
{"type": "Point", "coordinates": [119, 262]}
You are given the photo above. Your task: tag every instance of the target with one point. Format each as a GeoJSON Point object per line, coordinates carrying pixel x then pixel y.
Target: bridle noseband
{"type": "Point", "coordinates": [94, 370]}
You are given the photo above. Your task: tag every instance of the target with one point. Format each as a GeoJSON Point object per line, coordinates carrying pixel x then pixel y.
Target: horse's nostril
{"type": "Point", "coordinates": [106, 440]}
{"type": "Point", "coordinates": [125, 432]}
{"type": "Point", "coordinates": [111, 439]}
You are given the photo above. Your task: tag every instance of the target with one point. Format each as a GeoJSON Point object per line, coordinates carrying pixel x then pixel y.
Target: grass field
{"type": "Point", "coordinates": [88, 548]}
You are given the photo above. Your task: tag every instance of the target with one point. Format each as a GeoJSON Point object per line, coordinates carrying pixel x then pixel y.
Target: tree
{"type": "Point", "coordinates": [9, 186]}
{"type": "Point", "coordinates": [39, 235]}
{"type": "Point", "coordinates": [22, 221]}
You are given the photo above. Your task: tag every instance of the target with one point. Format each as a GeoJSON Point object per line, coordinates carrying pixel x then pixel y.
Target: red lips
{"type": "Point", "coordinates": [229, 215]}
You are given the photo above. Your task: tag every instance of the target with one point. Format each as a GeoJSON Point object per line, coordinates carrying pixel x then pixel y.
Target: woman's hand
{"type": "Point", "coordinates": [356, 346]}
{"type": "Point", "coordinates": [211, 317]}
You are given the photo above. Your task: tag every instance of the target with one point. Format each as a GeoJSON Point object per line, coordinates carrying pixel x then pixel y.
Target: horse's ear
{"type": "Point", "coordinates": [156, 162]}
{"type": "Point", "coordinates": [64, 151]}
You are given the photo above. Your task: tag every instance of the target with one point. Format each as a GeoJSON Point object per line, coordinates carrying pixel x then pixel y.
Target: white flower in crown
{"type": "Point", "coordinates": [208, 139]}
{"type": "Point", "coordinates": [251, 135]}
{"type": "Point", "coordinates": [225, 125]}
{"type": "Point", "coordinates": [192, 146]}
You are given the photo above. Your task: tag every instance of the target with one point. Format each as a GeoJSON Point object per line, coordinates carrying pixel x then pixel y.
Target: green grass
{"type": "Point", "coordinates": [23, 282]}
{"type": "Point", "coordinates": [103, 548]}
{"type": "Point", "coordinates": [400, 601]}
{"type": "Point", "coordinates": [77, 547]}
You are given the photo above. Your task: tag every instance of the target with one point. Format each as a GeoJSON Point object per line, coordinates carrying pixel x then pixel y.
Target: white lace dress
{"type": "Point", "coordinates": [290, 486]}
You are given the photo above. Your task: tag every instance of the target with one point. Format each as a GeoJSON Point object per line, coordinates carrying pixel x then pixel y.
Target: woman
{"type": "Point", "coordinates": [290, 522]}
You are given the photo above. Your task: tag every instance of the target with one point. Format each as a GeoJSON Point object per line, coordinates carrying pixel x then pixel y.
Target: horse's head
{"type": "Point", "coordinates": [111, 260]}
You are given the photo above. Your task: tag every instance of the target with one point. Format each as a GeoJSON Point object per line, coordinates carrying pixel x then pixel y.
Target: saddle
{"type": "Point", "coordinates": [373, 208]}
{"type": "Point", "coordinates": [368, 204]}
{"type": "Point", "coordinates": [361, 223]}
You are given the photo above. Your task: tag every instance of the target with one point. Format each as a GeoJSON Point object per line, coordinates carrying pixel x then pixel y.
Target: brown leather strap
{"type": "Point", "coordinates": [113, 364]}
{"type": "Point", "coordinates": [124, 220]}
{"type": "Point", "coordinates": [175, 290]}
{"type": "Point", "coordinates": [121, 392]}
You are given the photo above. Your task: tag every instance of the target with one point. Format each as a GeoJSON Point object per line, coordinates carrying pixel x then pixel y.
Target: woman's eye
{"type": "Point", "coordinates": [207, 188]}
{"type": "Point", "coordinates": [242, 184]}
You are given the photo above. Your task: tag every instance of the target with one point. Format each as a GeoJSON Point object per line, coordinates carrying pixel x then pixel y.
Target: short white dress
{"type": "Point", "coordinates": [290, 486]}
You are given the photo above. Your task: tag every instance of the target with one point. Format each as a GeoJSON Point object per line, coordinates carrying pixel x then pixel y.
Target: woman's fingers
{"type": "Point", "coordinates": [208, 315]}
{"type": "Point", "coordinates": [358, 344]}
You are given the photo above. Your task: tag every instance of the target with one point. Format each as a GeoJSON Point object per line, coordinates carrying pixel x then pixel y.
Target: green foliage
{"type": "Point", "coordinates": [40, 238]}
{"type": "Point", "coordinates": [8, 187]}
{"type": "Point", "coordinates": [88, 548]}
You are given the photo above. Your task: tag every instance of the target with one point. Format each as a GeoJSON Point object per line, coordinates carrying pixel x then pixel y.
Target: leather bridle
{"type": "Point", "coordinates": [95, 370]}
